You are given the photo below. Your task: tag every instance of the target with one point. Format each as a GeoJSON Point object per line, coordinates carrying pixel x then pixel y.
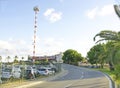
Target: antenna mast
{"type": "Point", "coordinates": [36, 10]}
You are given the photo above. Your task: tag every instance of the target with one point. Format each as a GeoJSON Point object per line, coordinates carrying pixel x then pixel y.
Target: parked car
{"type": "Point", "coordinates": [10, 73]}
{"type": "Point", "coordinates": [46, 71]}
{"type": "Point", "coordinates": [7, 73]}
{"type": "Point", "coordinates": [16, 71]}
{"type": "Point", "coordinates": [51, 71]}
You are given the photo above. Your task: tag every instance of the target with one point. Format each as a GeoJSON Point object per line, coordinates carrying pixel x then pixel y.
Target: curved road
{"type": "Point", "coordinates": [76, 77]}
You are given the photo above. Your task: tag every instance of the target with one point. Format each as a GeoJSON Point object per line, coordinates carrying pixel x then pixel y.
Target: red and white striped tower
{"type": "Point", "coordinates": [36, 10]}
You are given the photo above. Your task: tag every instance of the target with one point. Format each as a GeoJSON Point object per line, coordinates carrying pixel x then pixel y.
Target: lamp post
{"type": "Point", "coordinates": [36, 10]}
{"type": "Point", "coordinates": [0, 69]}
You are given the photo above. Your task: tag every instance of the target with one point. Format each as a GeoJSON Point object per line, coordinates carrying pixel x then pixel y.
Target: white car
{"type": "Point", "coordinates": [10, 73]}
{"type": "Point", "coordinates": [6, 73]}
{"type": "Point", "coordinates": [51, 71]}
{"type": "Point", "coordinates": [45, 71]}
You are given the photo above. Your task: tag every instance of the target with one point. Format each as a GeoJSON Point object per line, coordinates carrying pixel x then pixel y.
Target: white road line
{"type": "Point", "coordinates": [68, 86]}
{"type": "Point", "coordinates": [31, 84]}
{"type": "Point", "coordinates": [82, 75]}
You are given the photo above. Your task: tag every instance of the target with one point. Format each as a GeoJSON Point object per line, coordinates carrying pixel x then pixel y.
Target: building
{"type": "Point", "coordinates": [57, 58]}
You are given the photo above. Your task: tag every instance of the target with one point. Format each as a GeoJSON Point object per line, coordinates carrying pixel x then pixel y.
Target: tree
{"type": "Point", "coordinates": [0, 58]}
{"type": "Point", "coordinates": [117, 10]}
{"type": "Point", "coordinates": [22, 58]}
{"type": "Point", "coordinates": [23, 67]}
{"type": "Point", "coordinates": [91, 55]}
{"type": "Point", "coordinates": [8, 58]}
{"type": "Point", "coordinates": [113, 37]}
{"type": "Point", "coordinates": [108, 35]}
{"type": "Point", "coordinates": [97, 54]}
{"type": "Point", "coordinates": [16, 59]}
{"type": "Point", "coordinates": [71, 56]}
{"type": "Point", "coordinates": [116, 61]}
{"type": "Point", "coordinates": [29, 58]}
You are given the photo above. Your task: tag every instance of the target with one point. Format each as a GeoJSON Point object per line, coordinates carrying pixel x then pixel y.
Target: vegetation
{"type": "Point", "coordinates": [72, 57]}
{"type": "Point", "coordinates": [97, 55]}
{"type": "Point", "coordinates": [107, 52]}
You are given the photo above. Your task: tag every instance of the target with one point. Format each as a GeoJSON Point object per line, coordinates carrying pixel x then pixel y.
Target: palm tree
{"type": "Point", "coordinates": [16, 59]}
{"type": "Point", "coordinates": [22, 58]}
{"type": "Point", "coordinates": [8, 58]}
{"type": "Point", "coordinates": [108, 35]}
{"type": "Point", "coordinates": [117, 10]}
{"type": "Point", "coordinates": [112, 37]}
{"type": "Point", "coordinates": [0, 58]}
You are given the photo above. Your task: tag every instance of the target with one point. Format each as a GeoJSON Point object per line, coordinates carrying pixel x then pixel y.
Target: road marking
{"type": "Point", "coordinates": [68, 85]}
{"type": "Point", "coordinates": [30, 84]}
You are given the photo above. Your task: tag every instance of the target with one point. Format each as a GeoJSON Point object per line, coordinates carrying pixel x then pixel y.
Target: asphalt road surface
{"type": "Point", "coordinates": [76, 77]}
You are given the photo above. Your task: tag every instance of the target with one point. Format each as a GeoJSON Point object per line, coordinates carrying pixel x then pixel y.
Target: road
{"type": "Point", "coordinates": [76, 77]}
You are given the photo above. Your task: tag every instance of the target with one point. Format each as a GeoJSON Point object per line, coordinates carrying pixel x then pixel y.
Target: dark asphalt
{"type": "Point", "coordinates": [75, 73]}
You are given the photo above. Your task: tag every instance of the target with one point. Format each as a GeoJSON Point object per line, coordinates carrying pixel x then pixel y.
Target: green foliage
{"type": "Point", "coordinates": [37, 62]}
{"type": "Point", "coordinates": [107, 35]}
{"type": "Point", "coordinates": [97, 54]}
{"type": "Point", "coordinates": [91, 55]}
{"type": "Point", "coordinates": [113, 39]}
{"type": "Point", "coordinates": [116, 59]}
{"type": "Point", "coordinates": [0, 58]}
{"type": "Point", "coordinates": [110, 53]}
{"type": "Point", "coordinates": [117, 72]}
{"type": "Point", "coordinates": [8, 58]}
{"type": "Point", "coordinates": [29, 57]}
{"type": "Point", "coordinates": [41, 62]}
{"type": "Point", "coordinates": [112, 50]}
{"type": "Point", "coordinates": [71, 57]}
{"type": "Point", "coordinates": [16, 61]}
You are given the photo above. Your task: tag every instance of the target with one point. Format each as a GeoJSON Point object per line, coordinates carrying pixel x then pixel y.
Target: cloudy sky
{"type": "Point", "coordinates": [62, 25]}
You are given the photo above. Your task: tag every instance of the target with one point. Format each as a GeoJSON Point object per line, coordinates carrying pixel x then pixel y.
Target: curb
{"type": "Point", "coordinates": [111, 82]}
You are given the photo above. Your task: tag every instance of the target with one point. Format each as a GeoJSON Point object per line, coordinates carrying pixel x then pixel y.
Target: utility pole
{"type": "Point", "coordinates": [36, 10]}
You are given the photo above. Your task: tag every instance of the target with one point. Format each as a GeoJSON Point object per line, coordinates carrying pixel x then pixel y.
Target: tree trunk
{"type": "Point", "coordinates": [111, 66]}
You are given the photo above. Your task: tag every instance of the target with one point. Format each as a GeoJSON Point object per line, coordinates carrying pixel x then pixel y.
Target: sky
{"type": "Point", "coordinates": [61, 25]}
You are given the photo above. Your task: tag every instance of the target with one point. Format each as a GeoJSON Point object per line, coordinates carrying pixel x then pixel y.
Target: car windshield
{"type": "Point", "coordinates": [42, 69]}
{"type": "Point", "coordinates": [7, 70]}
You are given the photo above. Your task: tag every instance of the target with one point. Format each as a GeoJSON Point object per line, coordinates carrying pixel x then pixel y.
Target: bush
{"type": "Point", "coordinates": [117, 72]}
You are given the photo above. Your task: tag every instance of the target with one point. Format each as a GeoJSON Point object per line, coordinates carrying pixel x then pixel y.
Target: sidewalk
{"type": "Point", "coordinates": [27, 83]}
